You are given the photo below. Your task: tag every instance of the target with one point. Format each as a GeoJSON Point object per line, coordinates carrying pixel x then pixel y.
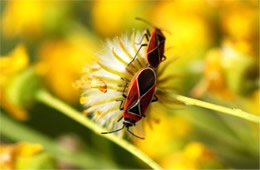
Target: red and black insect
{"type": "Point", "coordinates": [155, 46]}
{"type": "Point", "coordinates": [141, 90]}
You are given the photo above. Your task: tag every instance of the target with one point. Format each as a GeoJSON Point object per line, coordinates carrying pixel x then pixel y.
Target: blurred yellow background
{"type": "Point", "coordinates": [217, 46]}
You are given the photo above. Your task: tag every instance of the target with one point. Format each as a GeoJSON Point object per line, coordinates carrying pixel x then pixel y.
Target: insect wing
{"type": "Point", "coordinates": [155, 49]}
{"type": "Point", "coordinates": [132, 94]}
{"type": "Point", "coordinates": [140, 94]}
{"type": "Point", "coordinates": [147, 85]}
{"type": "Point", "coordinates": [132, 98]}
{"type": "Point", "coordinates": [153, 43]}
{"type": "Point", "coordinates": [146, 80]}
{"type": "Point", "coordinates": [147, 99]}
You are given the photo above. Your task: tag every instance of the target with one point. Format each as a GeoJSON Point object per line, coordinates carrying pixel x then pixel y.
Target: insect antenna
{"type": "Point", "coordinates": [145, 21]}
{"type": "Point", "coordinates": [113, 130]}
{"type": "Point", "coordinates": [134, 134]}
{"type": "Point", "coordinates": [152, 25]}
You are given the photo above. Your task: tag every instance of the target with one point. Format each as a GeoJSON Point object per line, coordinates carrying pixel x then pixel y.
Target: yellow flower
{"type": "Point", "coordinates": [23, 17]}
{"type": "Point", "coordinates": [194, 156]}
{"type": "Point", "coordinates": [194, 151]}
{"type": "Point", "coordinates": [213, 80]}
{"type": "Point", "coordinates": [239, 20]}
{"type": "Point", "coordinates": [63, 61]}
{"type": "Point", "coordinates": [28, 149]}
{"type": "Point", "coordinates": [10, 65]}
{"type": "Point", "coordinates": [177, 161]}
{"type": "Point", "coordinates": [110, 17]}
{"type": "Point", "coordinates": [13, 62]}
{"type": "Point", "coordinates": [236, 77]}
{"type": "Point", "coordinates": [167, 133]}
{"type": "Point", "coordinates": [104, 82]}
{"type": "Point", "coordinates": [221, 74]}
{"type": "Point", "coordinates": [189, 31]}
{"type": "Point", "coordinates": [9, 153]}
{"type": "Point", "coordinates": [7, 157]}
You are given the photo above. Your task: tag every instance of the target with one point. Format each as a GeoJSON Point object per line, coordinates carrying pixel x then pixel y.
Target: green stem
{"type": "Point", "coordinates": [230, 111]}
{"type": "Point", "coordinates": [16, 131]}
{"type": "Point", "coordinates": [44, 97]}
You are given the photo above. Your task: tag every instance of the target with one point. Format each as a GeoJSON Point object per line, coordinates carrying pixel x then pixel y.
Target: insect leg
{"type": "Point", "coordinates": [143, 45]}
{"type": "Point", "coordinates": [148, 33]}
{"type": "Point", "coordinates": [124, 95]}
{"type": "Point", "coordinates": [121, 107]}
{"type": "Point", "coordinates": [145, 35]}
{"type": "Point", "coordinates": [122, 78]}
{"type": "Point", "coordinates": [113, 130]}
{"type": "Point", "coordinates": [120, 119]}
{"type": "Point", "coordinates": [134, 134]}
{"type": "Point", "coordinates": [155, 99]}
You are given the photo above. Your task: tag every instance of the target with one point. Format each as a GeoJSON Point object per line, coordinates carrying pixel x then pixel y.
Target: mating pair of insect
{"type": "Point", "coordinates": [141, 90]}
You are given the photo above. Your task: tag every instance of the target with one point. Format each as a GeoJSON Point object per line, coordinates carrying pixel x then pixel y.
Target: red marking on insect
{"type": "Point", "coordinates": [141, 90]}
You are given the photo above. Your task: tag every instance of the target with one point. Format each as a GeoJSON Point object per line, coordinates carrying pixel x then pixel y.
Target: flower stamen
{"type": "Point", "coordinates": [83, 100]}
{"type": "Point", "coordinates": [112, 99]}
{"type": "Point", "coordinates": [118, 73]}
{"type": "Point", "coordinates": [89, 70]}
{"type": "Point", "coordinates": [123, 62]}
{"type": "Point", "coordinates": [124, 49]}
{"type": "Point", "coordinates": [129, 71]}
{"type": "Point", "coordinates": [108, 79]}
{"type": "Point", "coordinates": [100, 84]}
{"type": "Point", "coordinates": [114, 120]}
{"type": "Point", "coordinates": [114, 108]}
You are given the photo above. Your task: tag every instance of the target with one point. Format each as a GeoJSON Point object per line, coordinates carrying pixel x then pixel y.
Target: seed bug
{"type": "Point", "coordinates": [141, 90]}
{"type": "Point", "coordinates": [140, 94]}
{"type": "Point", "coordinates": [155, 46]}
